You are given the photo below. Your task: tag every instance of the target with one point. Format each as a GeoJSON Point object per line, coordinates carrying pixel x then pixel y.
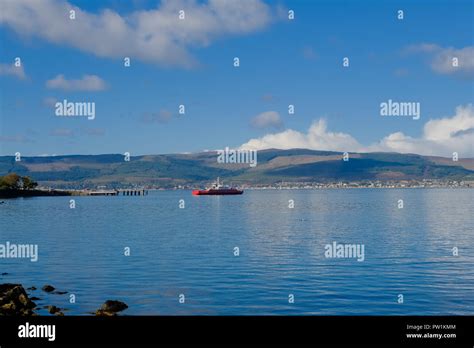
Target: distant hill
{"type": "Point", "coordinates": [296, 165]}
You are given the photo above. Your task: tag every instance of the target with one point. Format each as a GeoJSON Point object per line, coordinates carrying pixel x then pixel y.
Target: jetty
{"type": "Point", "coordinates": [119, 192]}
{"type": "Point", "coordinates": [103, 193]}
{"type": "Point", "coordinates": [135, 192]}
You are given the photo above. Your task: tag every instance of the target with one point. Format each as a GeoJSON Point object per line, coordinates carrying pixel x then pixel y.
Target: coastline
{"type": "Point", "coordinates": [13, 193]}
{"type": "Point", "coordinates": [50, 192]}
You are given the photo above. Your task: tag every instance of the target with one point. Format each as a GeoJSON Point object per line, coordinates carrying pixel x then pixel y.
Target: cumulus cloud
{"type": "Point", "coordinates": [267, 119]}
{"type": "Point", "coordinates": [156, 35]}
{"type": "Point", "coordinates": [12, 70]}
{"type": "Point", "coordinates": [440, 137]}
{"type": "Point", "coordinates": [317, 137]}
{"type": "Point", "coordinates": [86, 83]}
{"type": "Point", "coordinates": [441, 58]}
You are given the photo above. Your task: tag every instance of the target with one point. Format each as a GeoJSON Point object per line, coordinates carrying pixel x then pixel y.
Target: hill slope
{"type": "Point", "coordinates": [296, 165]}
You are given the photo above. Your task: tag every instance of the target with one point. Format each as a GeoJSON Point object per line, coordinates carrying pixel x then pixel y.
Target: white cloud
{"type": "Point", "coordinates": [86, 83]}
{"type": "Point", "coordinates": [156, 35]}
{"type": "Point", "coordinates": [12, 70]}
{"type": "Point", "coordinates": [317, 138]}
{"type": "Point", "coordinates": [267, 119]}
{"type": "Point", "coordinates": [441, 58]}
{"type": "Point", "coordinates": [441, 137]}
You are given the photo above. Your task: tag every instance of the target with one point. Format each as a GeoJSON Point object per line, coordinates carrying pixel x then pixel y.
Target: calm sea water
{"type": "Point", "coordinates": [191, 251]}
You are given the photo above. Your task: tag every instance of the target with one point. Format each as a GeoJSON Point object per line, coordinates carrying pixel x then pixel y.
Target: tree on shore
{"type": "Point", "coordinates": [28, 183]}
{"type": "Point", "coordinates": [10, 181]}
{"type": "Point", "coordinates": [13, 181]}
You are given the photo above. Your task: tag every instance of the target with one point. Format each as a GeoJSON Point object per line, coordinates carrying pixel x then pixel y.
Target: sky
{"type": "Point", "coordinates": [190, 61]}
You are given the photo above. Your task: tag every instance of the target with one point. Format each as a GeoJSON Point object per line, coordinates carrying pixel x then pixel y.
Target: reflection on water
{"type": "Point", "coordinates": [191, 251]}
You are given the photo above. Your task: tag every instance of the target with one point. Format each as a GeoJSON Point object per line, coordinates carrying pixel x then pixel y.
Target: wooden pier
{"type": "Point", "coordinates": [133, 192]}
{"type": "Point", "coordinates": [123, 192]}
{"type": "Point", "coordinates": [103, 193]}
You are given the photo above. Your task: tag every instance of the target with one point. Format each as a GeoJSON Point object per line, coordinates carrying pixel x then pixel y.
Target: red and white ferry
{"type": "Point", "coordinates": [218, 189]}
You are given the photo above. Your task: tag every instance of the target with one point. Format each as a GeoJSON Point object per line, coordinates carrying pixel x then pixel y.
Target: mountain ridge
{"type": "Point", "coordinates": [273, 165]}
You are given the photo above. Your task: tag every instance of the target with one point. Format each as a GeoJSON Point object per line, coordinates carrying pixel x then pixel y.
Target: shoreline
{"type": "Point", "coordinates": [50, 192]}
{"type": "Point", "coordinates": [16, 301]}
{"type": "Point", "coordinates": [13, 193]}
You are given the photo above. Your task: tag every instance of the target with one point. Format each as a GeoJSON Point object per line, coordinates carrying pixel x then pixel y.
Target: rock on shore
{"type": "Point", "coordinates": [111, 308]}
{"type": "Point", "coordinates": [15, 301]}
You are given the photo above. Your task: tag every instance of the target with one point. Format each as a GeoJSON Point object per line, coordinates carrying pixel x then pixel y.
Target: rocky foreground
{"type": "Point", "coordinates": [14, 301]}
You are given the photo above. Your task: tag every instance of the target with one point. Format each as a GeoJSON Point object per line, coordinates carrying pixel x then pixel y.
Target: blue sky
{"type": "Point", "coordinates": [282, 62]}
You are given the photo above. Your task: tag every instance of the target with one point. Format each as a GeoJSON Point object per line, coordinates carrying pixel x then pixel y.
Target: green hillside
{"type": "Point", "coordinates": [296, 165]}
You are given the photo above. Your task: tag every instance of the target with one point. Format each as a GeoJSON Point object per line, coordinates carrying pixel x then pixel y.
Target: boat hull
{"type": "Point", "coordinates": [212, 192]}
